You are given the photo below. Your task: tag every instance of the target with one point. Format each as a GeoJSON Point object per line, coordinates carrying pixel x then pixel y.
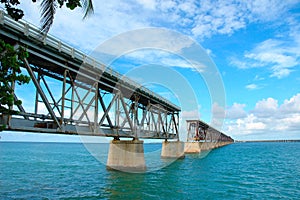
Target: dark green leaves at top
{"type": "Point", "coordinates": [12, 10]}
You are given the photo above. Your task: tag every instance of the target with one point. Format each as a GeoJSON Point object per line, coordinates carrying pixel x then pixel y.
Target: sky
{"type": "Point", "coordinates": [252, 46]}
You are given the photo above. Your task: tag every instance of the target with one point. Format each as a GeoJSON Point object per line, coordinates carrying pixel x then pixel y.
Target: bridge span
{"type": "Point", "coordinates": [89, 98]}
{"type": "Point", "coordinates": [94, 99]}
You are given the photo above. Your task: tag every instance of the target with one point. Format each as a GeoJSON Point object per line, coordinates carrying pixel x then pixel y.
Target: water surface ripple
{"type": "Point", "coordinates": [69, 171]}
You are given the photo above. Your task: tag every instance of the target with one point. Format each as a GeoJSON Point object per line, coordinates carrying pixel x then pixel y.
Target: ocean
{"type": "Point", "coordinates": [262, 170]}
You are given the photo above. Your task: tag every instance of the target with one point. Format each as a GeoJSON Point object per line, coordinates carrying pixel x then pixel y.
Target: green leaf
{"type": "Point", "coordinates": [10, 62]}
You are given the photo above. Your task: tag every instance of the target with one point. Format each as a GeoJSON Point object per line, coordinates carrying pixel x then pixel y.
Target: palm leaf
{"type": "Point", "coordinates": [48, 9]}
{"type": "Point", "coordinates": [87, 6]}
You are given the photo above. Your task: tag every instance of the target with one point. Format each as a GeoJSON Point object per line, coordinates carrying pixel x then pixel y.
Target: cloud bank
{"type": "Point", "coordinates": [268, 118]}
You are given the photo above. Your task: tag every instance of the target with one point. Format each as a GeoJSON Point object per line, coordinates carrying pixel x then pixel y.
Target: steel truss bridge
{"type": "Point", "coordinates": [89, 98]}
{"type": "Point", "coordinates": [93, 99]}
{"type": "Point", "coordinates": [199, 131]}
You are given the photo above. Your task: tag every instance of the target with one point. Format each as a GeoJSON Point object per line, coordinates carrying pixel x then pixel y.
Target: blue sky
{"type": "Point", "coordinates": [255, 46]}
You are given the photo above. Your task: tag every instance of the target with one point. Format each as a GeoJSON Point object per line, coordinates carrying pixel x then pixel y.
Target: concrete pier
{"type": "Point", "coordinates": [208, 146]}
{"type": "Point", "coordinates": [196, 146]}
{"type": "Point", "coordinates": [126, 156]}
{"type": "Point", "coordinates": [192, 147]}
{"type": "Point", "coordinates": [172, 149]}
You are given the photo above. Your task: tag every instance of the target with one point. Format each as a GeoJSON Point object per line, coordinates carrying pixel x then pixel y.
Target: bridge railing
{"type": "Point", "coordinates": [30, 30]}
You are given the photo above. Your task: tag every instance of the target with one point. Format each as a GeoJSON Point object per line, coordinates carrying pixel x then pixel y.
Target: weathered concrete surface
{"type": "Point", "coordinates": [172, 149]}
{"type": "Point", "coordinates": [126, 156]}
{"type": "Point", "coordinates": [212, 145]}
{"type": "Point", "coordinates": [207, 146]}
{"type": "Point", "coordinates": [192, 147]}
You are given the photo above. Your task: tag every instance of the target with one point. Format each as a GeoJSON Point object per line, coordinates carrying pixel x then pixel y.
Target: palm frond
{"type": "Point", "coordinates": [87, 6]}
{"type": "Point", "coordinates": [48, 9]}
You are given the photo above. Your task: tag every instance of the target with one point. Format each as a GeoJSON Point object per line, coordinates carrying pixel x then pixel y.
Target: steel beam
{"type": "Point", "coordinates": [42, 94]}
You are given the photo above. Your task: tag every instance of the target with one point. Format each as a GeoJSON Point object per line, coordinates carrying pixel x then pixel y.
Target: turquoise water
{"type": "Point", "coordinates": [69, 171]}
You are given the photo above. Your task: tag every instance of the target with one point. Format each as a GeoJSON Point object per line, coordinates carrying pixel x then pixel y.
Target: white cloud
{"type": "Point", "coordinates": [200, 20]}
{"type": "Point", "coordinates": [159, 57]}
{"type": "Point", "coordinates": [266, 107]}
{"type": "Point", "coordinates": [291, 105]}
{"type": "Point", "coordinates": [280, 55]}
{"type": "Point", "coordinates": [266, 10]}
{"type": "Point", "coordinates": [268, 119]}
{"type": "Point", "coordinates": [236, 111]}
{"type": "Point", "coordinates": [220, 17]}
{"type": "Point", "coordinates": [276, 53]}
{"type": "Point", "coordinates": [251, 86]}
{"type": "Point", "coordinates": [148, 4]}
{"type": "Point", "coordinates": [239, 63]}
{"type": "Point", "coordinates": [140, 43]}
{"type": "Point", "coordinates": [189, 17]}
{"type": "Point", "coordinates": [258, 78]}
{"type": "Point", "coordinates": [109, 19]}
{"type": "Point", "coordinates": [251, 123]}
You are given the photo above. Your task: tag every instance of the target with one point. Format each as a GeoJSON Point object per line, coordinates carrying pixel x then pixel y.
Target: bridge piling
{"type": "Point", "coordinates": [125, 155]}
{"type": "Point", "coordinates": [172, 149]}
{"type": "Point", "coordinates": [192, 147]}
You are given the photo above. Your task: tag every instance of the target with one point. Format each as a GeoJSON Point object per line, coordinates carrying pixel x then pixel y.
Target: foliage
{"type": "Point", "coordinates": [48, 9]}
{"type": "Point", "coordinates": [12, 10]}
{"type": "Point", "coordinates": [10, 72]}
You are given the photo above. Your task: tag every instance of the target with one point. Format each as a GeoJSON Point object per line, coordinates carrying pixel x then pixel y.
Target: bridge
{"type": "Point", "coordinates": [201, 136]}
{"type": "Point", "coordinates": [92, 99]}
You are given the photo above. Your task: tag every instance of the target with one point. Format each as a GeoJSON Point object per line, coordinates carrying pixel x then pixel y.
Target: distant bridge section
{"type": "Point", "coordinates": [198, 130]}
{"type": "Point", "coordinates": [201, 136]}
{"type": "Point", "coordinates": [89, 98]}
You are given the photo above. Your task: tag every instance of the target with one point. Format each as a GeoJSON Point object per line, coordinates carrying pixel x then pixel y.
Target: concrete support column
{"type": "Point", "coordinates": [192, 147]}
{"type": "Point", "coordinates": [126, 156]}
{"type": "Point", "coordinates": [172, 149]}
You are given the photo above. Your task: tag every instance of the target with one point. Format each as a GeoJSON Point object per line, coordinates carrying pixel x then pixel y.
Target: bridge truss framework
{"type": "Point", "coordinates": [94, 99]}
